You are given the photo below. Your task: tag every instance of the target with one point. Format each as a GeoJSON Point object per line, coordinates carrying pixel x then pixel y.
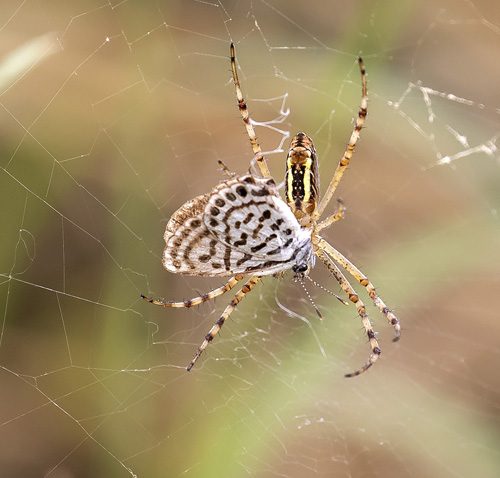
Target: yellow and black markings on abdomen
{"type": "Point", "coordinates": [301, 178]}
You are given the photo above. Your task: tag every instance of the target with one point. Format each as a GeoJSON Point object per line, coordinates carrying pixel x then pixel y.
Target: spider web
{"type": "Point", "coordinates": [115, 114]}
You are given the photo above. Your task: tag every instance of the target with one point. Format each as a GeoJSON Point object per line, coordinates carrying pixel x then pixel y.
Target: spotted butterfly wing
{"type": "Point", "coordinates": [241, 227]}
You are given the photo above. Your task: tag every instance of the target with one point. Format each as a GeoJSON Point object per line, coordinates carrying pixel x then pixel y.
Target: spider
{"type": "Point", "coordinates": [243, 228]}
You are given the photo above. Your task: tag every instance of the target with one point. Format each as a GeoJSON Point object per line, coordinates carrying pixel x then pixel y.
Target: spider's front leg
{"type": "Point", "coordinates": [346, 158]}
{"type": "Point", "coordinates": [336, 216]}
{"type": "Point", "coordinates": [242, 106]}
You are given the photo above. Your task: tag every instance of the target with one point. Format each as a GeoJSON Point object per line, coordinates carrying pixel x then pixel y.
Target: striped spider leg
{"type": "Point", "coordinates": [242, 106]}
{"type": "Point", "coordinates": [194, 207]}
{"type": "Point", "coordinates": [243, 228]}
{"type": "Point", "coordinates": [302, 195]}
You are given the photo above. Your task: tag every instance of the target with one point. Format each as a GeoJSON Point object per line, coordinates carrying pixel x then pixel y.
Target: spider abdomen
{"type": "Point", "coordinates": [301, 177]}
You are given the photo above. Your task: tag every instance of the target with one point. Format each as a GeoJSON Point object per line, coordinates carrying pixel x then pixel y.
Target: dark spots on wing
{"type": "Point", "coordinates": [242, 191]}
{"type": "Point", "coordinates": [265, 215]}
{"type": "Point", "coordinates": [264, 265]}
{"type": "Point", "coordinates": [211, 249]}
{"type": "Point", "coordinates": [237, 224]}
{"type": "Point", "coordinates": [242, 241]}
{"type": "Point", "coordinates": [230, 197]}
{"type": "Point", "coordinates": [245, 258]}
{"type": "Point", "coordinates": [216, 265]}
{"type": "Point", "coordinates": [270, 182]}
{"type": "Point", "coordinates": [213, 222]}
{"type": "Point", "coordinates": [256, 231]}
{"type": "Point", "coordinates": [214, 211]}
{"type": "Point", "coordinates": [279, 249]}
{"type": "Point", "coordinates": [258, 247]}
{"type": "Point", "coordinates": [268, 264]}
{"type": "Point", "coordinates": [187, 250]}
{"type": "Point", "coordinates": [227, 257]}
{"type": "Point", "coordinates": [249, 217]}
{"type": "Point", "coordinates": [260, 192]}
{"type": "Point", "coordinates": [195, 223]}
{"type": "Point", "coordinates": [180, 250]}
{"type": "Point", "coordinates": [220, 202]}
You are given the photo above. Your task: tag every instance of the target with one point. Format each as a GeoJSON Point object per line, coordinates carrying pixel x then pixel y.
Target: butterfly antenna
{"type": "Point", "coordinates": [300, 279]}
{"type": "Point", "coordinates": [329, 291]}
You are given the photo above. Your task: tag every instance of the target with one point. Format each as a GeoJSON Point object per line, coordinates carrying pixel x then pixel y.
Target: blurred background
{"type": "Point", "coordinates": [113, 114]}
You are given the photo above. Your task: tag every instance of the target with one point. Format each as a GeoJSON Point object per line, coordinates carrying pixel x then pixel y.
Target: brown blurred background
{"type": "Point", "coordinates": [115, 114]}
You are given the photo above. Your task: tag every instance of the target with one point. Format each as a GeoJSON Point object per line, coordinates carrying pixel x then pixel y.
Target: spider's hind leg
{"type": "Point", "coordinates": [365, 282]}
{"type": "Point", "coordinates": [247, 287]}
{"type": "Point", "coordinates": [200, 299]}
{"type": "Point", "coordinates": [353, 297]}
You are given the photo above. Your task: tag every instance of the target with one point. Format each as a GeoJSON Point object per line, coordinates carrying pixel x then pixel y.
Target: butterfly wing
{"type": "Point", "coordinates": [241, 227]}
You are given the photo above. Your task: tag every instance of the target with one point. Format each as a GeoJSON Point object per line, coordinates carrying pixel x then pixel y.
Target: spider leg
{"type": "Point", "coordinates": [364, 281]}
{"type": "Point", "coordinates": [226, 170]}
{"type": "Point", "coordinates": [247, 287]}
{"type": "Point", "coordinates": [197, 300]}
{"type": "Point", "coordinates": [242, 106]}
{"type": "Point", "coordinates": [353, 297]}
{"type": "Point", "coordinates": [336, 216]}
{"type": "Point", "coordinates": [344, 162]}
